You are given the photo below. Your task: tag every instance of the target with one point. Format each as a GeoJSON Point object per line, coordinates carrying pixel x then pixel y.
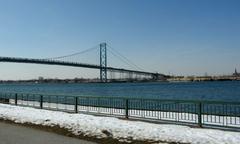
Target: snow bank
{"type": "Point", "coordinates": [217, 120]}
{"type": "Point", "coordinates": [103, 127]}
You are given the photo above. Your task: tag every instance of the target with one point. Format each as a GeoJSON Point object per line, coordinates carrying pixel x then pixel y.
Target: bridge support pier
{"type": "Point", "coordinates": [103, 62]}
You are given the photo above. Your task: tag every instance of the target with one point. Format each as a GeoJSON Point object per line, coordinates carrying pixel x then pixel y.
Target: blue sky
{"type": "Point", "coordinates": [181, 37]}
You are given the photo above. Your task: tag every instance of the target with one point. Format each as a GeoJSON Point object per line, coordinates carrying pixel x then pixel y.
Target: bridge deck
{"type": "Point", "coordinates": [73, 64]}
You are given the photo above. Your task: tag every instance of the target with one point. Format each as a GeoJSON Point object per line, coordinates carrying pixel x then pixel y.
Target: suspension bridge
{"type": "Point", "coordinates": [103, 67]}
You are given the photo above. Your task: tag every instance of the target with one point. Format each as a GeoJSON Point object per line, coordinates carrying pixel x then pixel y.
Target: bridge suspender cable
{"type": "Point", "coordinates": [111, 50]}
{"type": "Point", "coordinates": [74, 54]}
{"type": "Point", "coordinates": [123, 58]}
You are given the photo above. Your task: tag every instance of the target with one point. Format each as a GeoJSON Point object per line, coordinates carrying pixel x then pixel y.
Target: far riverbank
{"type": "Point", "coordinates": [203, 78]}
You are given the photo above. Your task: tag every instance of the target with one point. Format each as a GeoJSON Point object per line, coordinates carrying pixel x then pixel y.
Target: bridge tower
{"type": "Point", "coordinates": [103, 62]}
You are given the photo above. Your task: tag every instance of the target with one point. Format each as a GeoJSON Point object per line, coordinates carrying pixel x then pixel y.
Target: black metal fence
{"type": "Point", "coordinates": [212, 113]}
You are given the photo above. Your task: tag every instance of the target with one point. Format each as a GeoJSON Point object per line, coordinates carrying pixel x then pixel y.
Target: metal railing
{"type": "Point", "coordinates": [201, 113]}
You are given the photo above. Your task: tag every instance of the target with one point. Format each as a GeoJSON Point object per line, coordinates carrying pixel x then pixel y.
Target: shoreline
{"type": "Point", "coordinates": [172, 80]}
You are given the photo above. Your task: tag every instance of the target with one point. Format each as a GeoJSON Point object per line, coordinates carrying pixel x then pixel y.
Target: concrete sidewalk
{"type": "Point", "coordinates": [15, 134]}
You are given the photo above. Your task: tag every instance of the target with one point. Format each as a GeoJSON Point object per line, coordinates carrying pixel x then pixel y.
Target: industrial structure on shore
{"type": "Point", "coordinates": [234, 76]}
{"type": "Point", "coordinates": [236, 73]}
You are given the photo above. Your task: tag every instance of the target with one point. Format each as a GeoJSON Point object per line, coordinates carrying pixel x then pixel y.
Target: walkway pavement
{"type": "Point", "coordinates": [15, 134]}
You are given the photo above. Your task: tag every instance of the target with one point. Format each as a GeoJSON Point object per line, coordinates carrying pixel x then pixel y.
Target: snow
{"type": "Point", "coordinates": [216, 120]}
{"type": "Point", "coordinates": [118, 129]}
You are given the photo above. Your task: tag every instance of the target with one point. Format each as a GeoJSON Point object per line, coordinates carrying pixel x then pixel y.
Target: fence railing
{"type": "Point", "coordinates": [201, 113]}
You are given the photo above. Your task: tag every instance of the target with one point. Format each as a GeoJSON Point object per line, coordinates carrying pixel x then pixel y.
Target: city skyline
{"type": "Point", "coordinates": [171, 37]}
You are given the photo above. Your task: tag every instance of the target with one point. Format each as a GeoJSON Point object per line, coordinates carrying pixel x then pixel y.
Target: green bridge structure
{"type": "Point", "coordinates": [104, 69]}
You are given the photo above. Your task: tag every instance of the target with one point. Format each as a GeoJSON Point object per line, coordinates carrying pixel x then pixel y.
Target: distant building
{"type": "Point", "coordinates": [236, 73]}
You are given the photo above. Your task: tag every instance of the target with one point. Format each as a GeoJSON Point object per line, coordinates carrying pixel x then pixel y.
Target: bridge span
{"type": "Point", "coordinates": [77, 64]}
{"type": "Point", "coordinates": [102, 67]}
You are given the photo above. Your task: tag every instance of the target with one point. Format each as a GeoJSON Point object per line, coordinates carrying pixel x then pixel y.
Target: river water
{"type": "Point", "coordinates": [217, 91]}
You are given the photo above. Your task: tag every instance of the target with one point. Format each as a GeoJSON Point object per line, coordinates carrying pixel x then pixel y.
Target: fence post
{"type": "Point", "coordinates": [41, 101]}
{"type": "Point", "coordinates": [200, 114]}
{"type": "Point", "coordinates": [15, 98]}
{"type": "Point", "coordinates": [126, 108]}
{"type": "Point", "coordinates": [76, 104]}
